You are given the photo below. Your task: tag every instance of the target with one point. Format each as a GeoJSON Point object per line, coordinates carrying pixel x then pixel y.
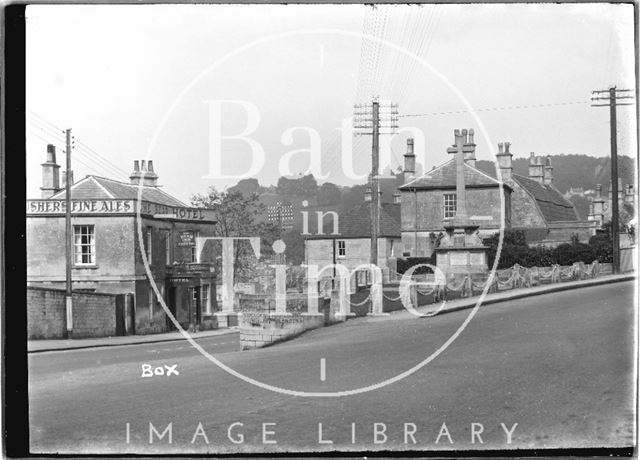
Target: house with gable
{"type": "Point", "coordinates": [107, 251]}
{"type": "Point", "coordinates": [531, 204]}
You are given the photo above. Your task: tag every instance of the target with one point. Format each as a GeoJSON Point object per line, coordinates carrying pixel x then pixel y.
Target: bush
{"type": "Point", "coordinates": [516, 251]}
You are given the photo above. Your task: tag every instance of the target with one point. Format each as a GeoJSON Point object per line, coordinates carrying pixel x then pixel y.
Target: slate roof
{"type": "Point", "coordinates": [96, 187]}
{"type": "Point", "coordinates": [552, 204]}
{"type": "Point", "coordinates": [444, 177]}
{"type": "Point", "coordinates": [356, 223]}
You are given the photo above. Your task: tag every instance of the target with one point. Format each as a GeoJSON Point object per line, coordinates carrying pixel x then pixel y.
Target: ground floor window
{"type": "Point", "coordinates": [206, 304]}
{"type": "Point", "coordinates": [84, 245]}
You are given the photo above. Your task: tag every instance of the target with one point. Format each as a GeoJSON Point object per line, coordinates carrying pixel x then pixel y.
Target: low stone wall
{"type": "Point", "coordinates": [259, 329]}
{"type": "Point", "coordinates": [94, 315]}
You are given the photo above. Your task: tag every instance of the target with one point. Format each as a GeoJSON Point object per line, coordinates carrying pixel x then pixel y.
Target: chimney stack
{"type": "Point", "coordinates": [597, 211]}
{"type": "Point", "coordinates": [536, 169]}
{"type": "Point", "coordinates": [409, 163]}
{"type": "Point", "coordinates": [64, 178]}
{"type": "Point", "coordinates": [628, 197]}
{"type": "Point", "coordinates": [397, 197]}
{"type": "Point", "coordinates": [50, 174]}
{"type": "Point", "coordinates": [143, 174]}
{"type": "Point", "coordinates": [504, 158]}
{"type": "Point", "coordinates": [548, 172]}
{"type": "Point", "coordinates": [367, 195]}
{"type": "Point", "coordinates": [469, 147]}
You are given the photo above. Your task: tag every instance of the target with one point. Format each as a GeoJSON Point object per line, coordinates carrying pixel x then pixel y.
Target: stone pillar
{"type": "Point", "coordinates": [375, 293]}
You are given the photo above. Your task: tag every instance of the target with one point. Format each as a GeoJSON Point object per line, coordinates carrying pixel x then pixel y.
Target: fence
{"type": "Point", "coordinates": [469, 284]}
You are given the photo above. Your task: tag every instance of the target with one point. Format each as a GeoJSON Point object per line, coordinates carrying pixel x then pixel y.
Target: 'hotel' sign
{"type": "Point", "coordinates": [113, 206]}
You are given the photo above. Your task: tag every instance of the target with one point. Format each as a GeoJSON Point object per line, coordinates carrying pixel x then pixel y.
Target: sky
{"type": "Point", "coordinates": [176, 83]}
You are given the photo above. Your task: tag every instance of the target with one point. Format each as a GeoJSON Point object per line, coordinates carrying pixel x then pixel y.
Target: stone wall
{"type": "Point", "coordinates": [259, 329]}
{"type": "Point", "coordinates": [94, 315]}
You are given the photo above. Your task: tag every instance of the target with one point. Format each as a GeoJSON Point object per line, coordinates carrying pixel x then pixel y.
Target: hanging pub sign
{"type": "Point", "coordinates": [186, 239]}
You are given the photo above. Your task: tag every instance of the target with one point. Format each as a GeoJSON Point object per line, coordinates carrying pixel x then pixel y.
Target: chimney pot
{"type": "Point", "coordinates": [143, 165]}
{"type": "Point", "coordinates": [506, 147]}
{"type": "Point", "coordinates": [51, 153]}
{"type": "Point", "coordinates": [471, 133]}
{"type": "Point", "coordinates": [500, 147]}
{"type": "Point", "coordinates": [150, 166]}
{"type": "Point", "coordinates": [136, 165]}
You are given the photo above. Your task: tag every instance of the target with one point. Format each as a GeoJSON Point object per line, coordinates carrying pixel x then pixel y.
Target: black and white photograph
{"type": "Point", "coordinates": [356, 229]}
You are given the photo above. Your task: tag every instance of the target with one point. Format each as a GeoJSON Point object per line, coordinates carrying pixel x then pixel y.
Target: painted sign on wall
{"type": "Point", "coordinates": [186, 239]}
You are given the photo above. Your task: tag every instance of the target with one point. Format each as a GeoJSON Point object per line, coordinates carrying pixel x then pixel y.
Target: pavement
{"type": "Point", "coordinates": [556, 370]}
{"type": "Point", "coordinates": [36, 346]}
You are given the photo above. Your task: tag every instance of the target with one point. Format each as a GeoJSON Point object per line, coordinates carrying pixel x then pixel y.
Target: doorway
{"type": "Point", "coordinates": [171, 303]}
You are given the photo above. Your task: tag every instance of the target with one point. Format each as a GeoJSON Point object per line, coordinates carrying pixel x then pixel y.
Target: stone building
{"type": "Point", "coordinates": [107, 251]}
{"type": "Point", "coordinates": [600, 206]}
{"type": "Point", "coordinates": [349, 243]}
{"type": "Point", "coordinates": [531, 204]}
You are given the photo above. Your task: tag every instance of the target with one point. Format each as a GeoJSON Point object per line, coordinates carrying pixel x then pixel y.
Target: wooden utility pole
{"type": "Point", "coordinates": [375, 184]}
{"type": "Point", "coordinates": [369, 121]}
{"type": "Point", "coordinates": [68, 245]}
{"type": "Point", "coordinates": [611, 100]}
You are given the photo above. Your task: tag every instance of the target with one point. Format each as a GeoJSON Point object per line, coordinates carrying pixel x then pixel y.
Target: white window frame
{"type": "Point", "coordinates": [449, 209]}
{"type": "Point", "coordinates": [342, 249]}
{"type": "Point", "coordinates": [194, 248]}
{"type": "Point", "coordinates": [78, 245]}
{"type": "Point", "coordinates": [205, 300]}
{"type": "Point", "coordinates": [149, 244]}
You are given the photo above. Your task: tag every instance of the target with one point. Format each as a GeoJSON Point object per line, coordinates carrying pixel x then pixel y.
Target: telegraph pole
{"type": "Point", "coordinates": [369, 121]}
{"type": "Point", "coordinates": [68, 236]}
{"type": "Point", "coordinates": [610, 99]}
{"type": "Point", "coordinates": [375, 184]}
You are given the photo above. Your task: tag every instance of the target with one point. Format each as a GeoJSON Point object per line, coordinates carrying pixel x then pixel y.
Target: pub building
{"type": "Point", "coordinates": [106, 251]}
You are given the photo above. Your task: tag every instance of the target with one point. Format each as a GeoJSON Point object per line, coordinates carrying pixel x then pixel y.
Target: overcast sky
{"type": "Point", "coordinates": [133, 81]}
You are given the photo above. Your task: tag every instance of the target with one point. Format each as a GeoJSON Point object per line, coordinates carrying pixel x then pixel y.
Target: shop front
{"type": "Point", "coordinates": [191, 296]}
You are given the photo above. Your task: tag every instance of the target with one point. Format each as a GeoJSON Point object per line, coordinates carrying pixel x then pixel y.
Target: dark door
{"type": "Point", "coordinates": [198, 310]}
{"type": "Point", "coordinates": [171, 303]}
{"type": "Point", "coordinates": [120, 325]}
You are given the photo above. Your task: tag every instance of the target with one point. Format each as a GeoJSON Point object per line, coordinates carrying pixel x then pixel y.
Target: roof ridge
{"type": "Point", "coordinates": [429, 172]}
{"type": "Point", "coordinates": [495, 179]}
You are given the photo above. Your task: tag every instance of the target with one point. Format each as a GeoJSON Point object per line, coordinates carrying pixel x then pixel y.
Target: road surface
{"type": "Point", "coordinates": [548, 371]}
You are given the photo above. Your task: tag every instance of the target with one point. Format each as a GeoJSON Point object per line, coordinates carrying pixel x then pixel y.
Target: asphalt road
{"type": "Point", "coordinates": [560, 366]}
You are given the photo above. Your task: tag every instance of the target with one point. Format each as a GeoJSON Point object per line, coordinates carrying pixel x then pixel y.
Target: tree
{"type": "Point", "coordinates": [295, 246]}
{"type": "Point", "coordinates": [305, 186]}
{"type": "Point", "coordinates": [239, 216]}
{"type": "Point", "coordinates": [329, 194]}
{"type": "Point", "coordinates": [247, 187]}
